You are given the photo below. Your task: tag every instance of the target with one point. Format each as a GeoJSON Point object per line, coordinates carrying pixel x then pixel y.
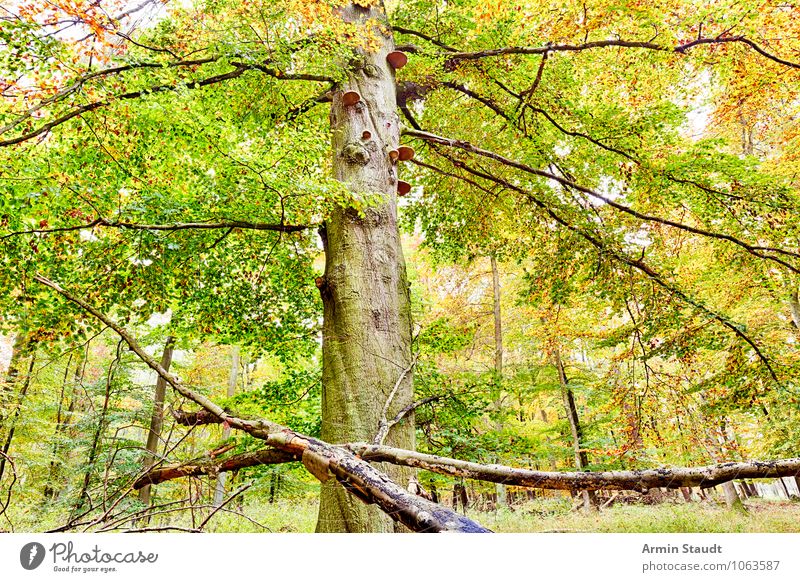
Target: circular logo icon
{"type": "Point", "coordinates": [31, 555]}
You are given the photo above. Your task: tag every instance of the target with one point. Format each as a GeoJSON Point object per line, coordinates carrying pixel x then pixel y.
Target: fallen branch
{"type": "Point", "coordinates": [195, 418]}
{"type": "Point", "coordinates": [349, 463]}
{"type": "Point", "coordinates": [211, 467]}
{"type": "Point", "coordinates": [641, 481]}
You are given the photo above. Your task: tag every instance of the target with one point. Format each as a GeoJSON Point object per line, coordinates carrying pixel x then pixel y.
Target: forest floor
{"type": "Point", "coordinates": [548, 515]}
{"type": "Point", "coordinates": [554, 515]}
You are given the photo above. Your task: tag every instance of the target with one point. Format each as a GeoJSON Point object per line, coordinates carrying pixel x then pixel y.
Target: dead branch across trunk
{"type": "Point", "coordinates": [642, 481]}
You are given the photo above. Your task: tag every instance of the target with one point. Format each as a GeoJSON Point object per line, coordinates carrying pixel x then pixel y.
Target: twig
{"type": "Point", "coordinates": [230, 498]}
{"type": "Point", "coordinates": [384, 426]}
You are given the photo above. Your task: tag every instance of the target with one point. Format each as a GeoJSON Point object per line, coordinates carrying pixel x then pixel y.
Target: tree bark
{"type": "Point", "coordinates": [498, 321]}
{"type": "Point", "coordinates": [157, 418]}
{"type": "Point", "coordinates": [732, 499]}
{"type": "Point", "coordinates": [366, 340]}
{"type": "Point", "coordinates": [794, 307]}
{"type": "Point", "coordinates": [219, 490]}
{"type": "Point", "coordinates": [639, 480]}
{"type": "Point", "coordinates": [12, 374]}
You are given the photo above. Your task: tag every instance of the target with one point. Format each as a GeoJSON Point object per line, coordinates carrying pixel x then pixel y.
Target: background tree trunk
{"type": "Point", "coordinates": [366, 341]}
{"type": "Point", "coordinates": [27, 348]}
{"type": "Point", "coordinates": [7, 389]}
{"type": "Point", "coordinates": [500, 489]}
{"type": "Point", "coordinates": [219, 490]}
{"type": "Point", "coordinates": [157, 418]}
{"type": "Point", "coordinates": [581, 458]}
{"type": "Point", "coordinates": [63, 418]}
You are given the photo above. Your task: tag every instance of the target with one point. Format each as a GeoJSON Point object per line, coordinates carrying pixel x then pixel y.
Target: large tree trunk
{"type": "Point", "coordinates": [157, 418]}
{"type": "Point", "coordinates": [367, 320]}
{"type": "Point", "coordinates": [219, 489]}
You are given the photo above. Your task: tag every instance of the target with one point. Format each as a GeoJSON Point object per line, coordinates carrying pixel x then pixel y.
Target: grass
{"type": "Point", "coordinates": [761, 517]}
{"type": "Point", "coordinates": [544, 515]}
{"type": "Point", "coordinates": [554, 515]}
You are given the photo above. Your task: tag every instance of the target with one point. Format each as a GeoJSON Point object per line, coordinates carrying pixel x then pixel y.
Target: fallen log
{"type": "Point", "coordinates": [640, 480]}
{"type": "Point", "coordinates": [349, 463]}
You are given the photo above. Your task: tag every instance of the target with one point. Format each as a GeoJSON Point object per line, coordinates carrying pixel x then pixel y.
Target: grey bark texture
{"type": "Point", "coordinates": [367, 319]}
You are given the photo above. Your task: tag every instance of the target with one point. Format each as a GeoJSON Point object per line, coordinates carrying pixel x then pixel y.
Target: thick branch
{"type": "Point", "coordinates": [225, 224]}
{"type": "Point", "coordinates": [681, 48]}
{"type": "Point", "coordinates": [466, 146]}
{"type": "Point", "coordinates": [213, 467]}
{"type": "Point", "coordinates": [672, 478]}
{"type": "Point", "coordinates": [78, 84]}
{"type": "Point", "coordinates": [239, 70]}
{"type": "Point", "coordinates": [643, 480]}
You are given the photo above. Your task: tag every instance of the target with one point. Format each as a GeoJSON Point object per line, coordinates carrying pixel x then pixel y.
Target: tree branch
{"type": "Point", "coordinates": [637, 264]}
{"type": "Point", "coordinates": [240, 68]}
{"type": "Point", "coordinates": [226, 224]}
{"type": "Point", "coordinates": [208, 466]}
{"type": "Point", "coordinates": [643, 480]}
{"type": "Point", "coordinates": [680, 49]}
{"type": "Point", "coordinates": [466, 146]}
{"type": "Point", "coordinates": [385, 425]}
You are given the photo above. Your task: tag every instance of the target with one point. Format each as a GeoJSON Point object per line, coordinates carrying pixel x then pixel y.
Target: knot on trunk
{"type": "Point", "coordinates": [355, 153]}
{"type": "Point", "coordinates": [372, 71]}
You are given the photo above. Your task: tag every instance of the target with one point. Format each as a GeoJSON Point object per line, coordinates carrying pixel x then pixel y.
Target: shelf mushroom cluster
{"type": "Point", "coordinates": [397, 60]}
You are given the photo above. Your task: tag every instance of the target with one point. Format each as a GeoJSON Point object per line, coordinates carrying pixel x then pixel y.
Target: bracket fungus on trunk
{"type": "Point", "coordinates": [397, 59]}
{"type": "Point", "coordinates": [405, 153]}
{"type": "Point", "coordinates": [350, 98]}
{"type": "Point", "coordinates": [403, 188]}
